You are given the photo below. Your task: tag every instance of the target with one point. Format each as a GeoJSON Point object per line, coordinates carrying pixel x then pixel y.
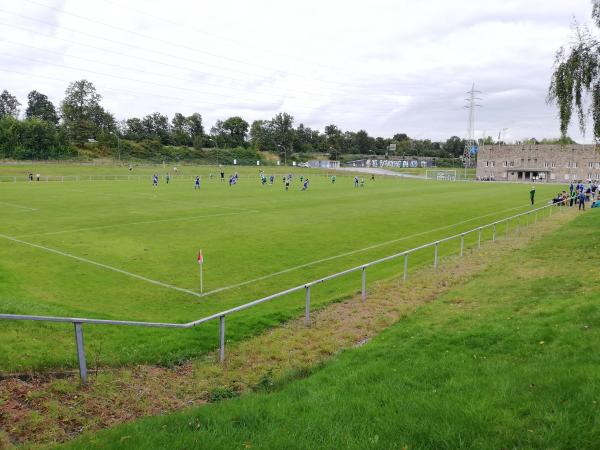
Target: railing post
{"type": "Point", "coordinates": [405, 266]}
{"type": "Point", "coordinates": [494, 234]}
{"type": "Point", "coordinates": [364, 283]}
{"type": "Point", "coordinates": [479, 238]}
{"type": "Point", "coordinates": [435, 255]}
{"type": "Point", "coordinates": [222, 338]}
{"type": "Point", "coordinates": [80, 351]}
{"type": "Point", "coordinates": [307, 312]}
{"type": "Point", "coordinates": [462, 244]}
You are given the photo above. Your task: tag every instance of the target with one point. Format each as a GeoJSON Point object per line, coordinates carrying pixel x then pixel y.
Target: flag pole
{"type": "Point", "coordinates": [201, 287]}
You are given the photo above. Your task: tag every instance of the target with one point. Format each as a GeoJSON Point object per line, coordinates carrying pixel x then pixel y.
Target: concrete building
{"type": "Point", "coordinates": [540, 163]}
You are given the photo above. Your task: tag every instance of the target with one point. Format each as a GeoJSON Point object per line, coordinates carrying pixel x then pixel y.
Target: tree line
{"type": "Point", "coordinates": [81, 125]}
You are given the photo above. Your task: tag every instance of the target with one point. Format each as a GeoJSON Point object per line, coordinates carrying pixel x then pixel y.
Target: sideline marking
{"type": "Point", "coordinates": [371, 247]}
{"type": "Point", "coordinates": [104, 266]}
{"type": "Point", "coordinates": [20, 206]}
{"type": "Point", "coordinates": [175, 219]}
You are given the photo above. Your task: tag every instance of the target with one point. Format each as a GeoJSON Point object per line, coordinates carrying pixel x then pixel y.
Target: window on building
{"type": "Point", "coordinates": [590, 164]}
{"type": "Point", "coordinates": [546, 164]}
{"type": "Point", "coordinates": [487, 164]}
{"type": "Point", "coordinates": [493, 164]}
{"type": "Point", "coordinates": [512, 163]}
{"type": "Point", "coordinates": [574, 165]}
{"type": "Point", "coordinates": [553, 164]}
{"type": "Point", "coordinates": [505, 164]}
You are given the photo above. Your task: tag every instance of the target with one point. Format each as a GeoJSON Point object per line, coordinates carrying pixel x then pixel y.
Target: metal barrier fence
{"type": "Point", "coordinates": [531, 216]}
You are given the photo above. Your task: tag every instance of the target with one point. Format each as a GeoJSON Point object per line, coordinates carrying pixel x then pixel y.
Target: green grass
{"type": "Point", "coordinates": [247, 232]}
{"type": "Point", "coordinates": [509, 360]}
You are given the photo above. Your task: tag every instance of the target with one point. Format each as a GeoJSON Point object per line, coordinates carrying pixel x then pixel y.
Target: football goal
{"type": "Point", "coordinates": [445, 175]}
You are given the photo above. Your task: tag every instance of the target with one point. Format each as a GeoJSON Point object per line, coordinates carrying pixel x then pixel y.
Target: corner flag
{"type": "Point", "coordinates": [201, 264]}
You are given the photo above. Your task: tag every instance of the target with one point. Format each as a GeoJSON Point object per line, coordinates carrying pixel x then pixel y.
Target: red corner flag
{"type": "Point", "coordinates": [200, 257]}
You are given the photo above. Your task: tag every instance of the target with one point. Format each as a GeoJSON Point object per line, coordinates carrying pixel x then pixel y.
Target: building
{"type": "Point", "coordinates": [541, 163]}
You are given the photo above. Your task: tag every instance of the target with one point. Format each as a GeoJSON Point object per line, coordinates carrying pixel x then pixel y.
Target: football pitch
{"type": "Point", "coordinates": [125, 250]}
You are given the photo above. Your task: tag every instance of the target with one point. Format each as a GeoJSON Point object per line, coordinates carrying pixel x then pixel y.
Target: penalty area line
{"type": "Point", "coordinates": [104, 266]}
{"type": "Point", "coordinates": [371, 247]}
{"type": "Point", "coordinates": [142, 222]}
{"type": "Point", "coordinates": [19, 206]}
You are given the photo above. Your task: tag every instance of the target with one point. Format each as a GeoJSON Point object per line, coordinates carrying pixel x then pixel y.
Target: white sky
{"type": "Point", "coordinates": [383, 65]}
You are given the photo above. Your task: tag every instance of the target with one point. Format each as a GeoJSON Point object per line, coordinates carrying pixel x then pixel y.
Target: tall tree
{"type": "Point", "coordinates": [156, 126]}
{"type": "Point", "coordinates": [236, 130]}
{"type": "Point", "coordinates": [9, 105]}
{"type": "Point", "coordinates": [80, 111]}
{"type": "Point", "coordinates": [577, 76]}
{"type": "Point", "coordinates": [333, 138]}
{"type": "Point", "coordinates": [40, 107]}
{"type": "Point", "coordinates": [282, 129]}
{"type": "Point", "coordinates": [180, 130]}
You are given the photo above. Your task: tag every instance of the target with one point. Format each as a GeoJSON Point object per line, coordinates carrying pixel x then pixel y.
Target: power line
{"type": "Point", "coordinates": [270, 90]}
{"type": "Point", "coordinates": [336, 83]}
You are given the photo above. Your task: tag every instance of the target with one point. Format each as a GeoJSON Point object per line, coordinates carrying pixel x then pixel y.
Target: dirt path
{"type": "Point", "coordinates": [46, 410]}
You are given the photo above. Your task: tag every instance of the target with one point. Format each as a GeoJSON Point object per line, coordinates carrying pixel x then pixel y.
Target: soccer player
{"type": "Point", "coordinates": [287, 184]}
{"type": "Point", "coordinates": [532, 195]}
{"type": "Point", "coordinates": [155, 180]}
{"type": "Point", "coordinates": [372, 177]}
{"type": "Point", "coordinates": [333, 179]}
{"type": "Point", "coordinates": [167, 178]}
{"type": "Point", "coordinates": [356, 181]}
{"type": "Point", "coordinates": [197, 183]}
{"type": "Point", "coordinates": [305, 186]}
{"type": "Point", "coordinates": [362, 182]}
{"type": "Point", "coordinates": [271, 179]}
{"type": "Point", "coordinates": [223, 175]}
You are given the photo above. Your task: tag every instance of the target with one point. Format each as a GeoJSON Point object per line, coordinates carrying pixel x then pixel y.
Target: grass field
{"type": "Point", "coordinates": [256, 239]}
{"type": "Point", "coordinates": [508, 360]}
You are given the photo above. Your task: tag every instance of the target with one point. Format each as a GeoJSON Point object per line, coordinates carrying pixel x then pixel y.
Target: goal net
{"type": "Point", "coordinates": [445, 175]}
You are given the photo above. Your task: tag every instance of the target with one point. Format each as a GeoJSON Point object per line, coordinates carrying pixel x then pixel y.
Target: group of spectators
{"type": "Point", "coordinates": [579, 194]}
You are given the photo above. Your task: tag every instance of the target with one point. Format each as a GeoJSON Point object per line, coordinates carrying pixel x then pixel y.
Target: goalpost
{"type": "Point", "coordinates": [445, 175]}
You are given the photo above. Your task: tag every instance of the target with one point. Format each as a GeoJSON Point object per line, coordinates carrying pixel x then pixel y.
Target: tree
{"type": "Point", "coordinates": [363, 142]}
{"type": "Point", "coordinates": [156, 126]}
{"type": "Point", "coordinates": [40, 107]}
{"type": "Point", "coordinates": [282, 129]}
{"type": "Point", "coordinates": [180, 130]}
{"type": "Point", "coordinates": [333, 139]}
{"type": "Point", "coordinates": [80, 111]}
{"type": "Point", "coordinates": [261, 136]}
{"type": "Point", "coordinates": [9, 105]}
{"type": "Point", "coordinates": [196, 129]}
{"type": "Point", "coordinates": [577, 76]}
{"type": "Point", "coordinates": [236, 130]}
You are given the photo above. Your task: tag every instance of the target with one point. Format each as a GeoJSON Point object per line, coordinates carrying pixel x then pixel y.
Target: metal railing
{"type": "Point", "coordinates": [531, 216]}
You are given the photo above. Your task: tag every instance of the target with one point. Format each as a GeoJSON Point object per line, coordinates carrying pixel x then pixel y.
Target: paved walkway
{"type": "Point", "coordinates": [378, 171]}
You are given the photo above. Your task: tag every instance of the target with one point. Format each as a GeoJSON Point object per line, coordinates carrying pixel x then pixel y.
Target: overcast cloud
{"type": "Point", "coordinates": [384, 66]}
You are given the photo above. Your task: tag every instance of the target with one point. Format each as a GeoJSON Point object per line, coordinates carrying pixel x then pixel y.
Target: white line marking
{"type": "Point", "coordinates": [19, 206]}
{"type": "Point", "coordinates": [371, 247]}
{"type": "Point", "coordinates": [143, 222]}
{"type": "Point", "coordinates": [104, 266]}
